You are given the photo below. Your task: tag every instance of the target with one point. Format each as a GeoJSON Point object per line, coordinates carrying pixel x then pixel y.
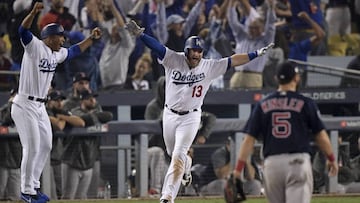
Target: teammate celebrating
{"type": "Point", "coordinates": [28, 110]}
{"type": "Point", "coordinates": [283, 121]}
{"type": "Point", "coordinates": [188, 77]}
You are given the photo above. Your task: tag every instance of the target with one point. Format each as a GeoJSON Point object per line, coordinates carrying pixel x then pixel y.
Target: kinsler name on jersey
{"type": "Point", "coordinates": [282, 104]}
{"type": "Point", "coordinates": [180, 79]}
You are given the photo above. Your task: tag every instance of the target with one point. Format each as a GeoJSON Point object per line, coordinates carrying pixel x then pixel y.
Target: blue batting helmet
{"type": "Point", "coordinates": [52, 29]}
{"type": "Point", "coordinates": [193, 42]}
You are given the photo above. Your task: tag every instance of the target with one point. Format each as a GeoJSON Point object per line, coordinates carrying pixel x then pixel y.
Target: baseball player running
{"type": "Point", "coordinates": [188, 77]}
{"type": "Point", "coordinates": [28, 110]}
{"type": "Point", "coordinates": [284, 121]}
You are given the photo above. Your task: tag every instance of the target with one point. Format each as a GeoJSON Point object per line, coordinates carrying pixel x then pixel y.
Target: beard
{"type": "Point", "coordinates": [108, 15]}
{"type": "Point", "coordinates": [90, 107]}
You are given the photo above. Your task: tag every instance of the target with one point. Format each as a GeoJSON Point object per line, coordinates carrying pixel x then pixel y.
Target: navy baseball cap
{"type": "Point", "coordinates": [52, 29]}
{"type": "Point", "coordinates": [80, 76]}
{"type": "Point", "coordinates": [86, 94]}
{"type": "Point", "coordinates": [56, 95]}
{"type": "Point", "coordinates": [286, 72]}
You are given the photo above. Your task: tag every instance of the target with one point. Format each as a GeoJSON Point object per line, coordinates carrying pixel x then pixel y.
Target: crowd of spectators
{"type": "Point", "coordinates": [119, 61]}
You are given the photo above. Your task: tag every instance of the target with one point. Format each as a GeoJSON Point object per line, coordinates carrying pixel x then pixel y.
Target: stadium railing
{"type": "Point", "coordinates": [138, 130]}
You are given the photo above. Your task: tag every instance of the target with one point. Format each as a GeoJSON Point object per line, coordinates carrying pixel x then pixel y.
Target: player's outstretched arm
{"type": "Point", "coordinates": [86, 43]}
{"type": "Point", "coordinates": [80, 47]}
{"type": "Point", "coordinates": [149, 41]}
{"type": "Point", "coordinates": [239, 59]}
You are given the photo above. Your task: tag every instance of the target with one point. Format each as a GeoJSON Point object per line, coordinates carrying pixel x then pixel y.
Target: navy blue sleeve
{"type": "Point", "coordinates": [74, 51]}
{"type": "Point", "coordinates": [229, 63]}
{"type": "Point", "coordinates": [147, 20]}
{"type": "Point", "coordinates": [154, 45]}
{"type": "Point", "coordinates": [315, 122]}
{"type": "Point", "coordinates": [253, 125]}
{"type": "Point", "coordinates": [25, 35]}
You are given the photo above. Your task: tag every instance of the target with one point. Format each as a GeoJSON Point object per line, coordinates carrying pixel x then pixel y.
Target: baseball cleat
{"type": "Point", "coordinates": [186, 180]}
{"type": "Point", "coordinates": [41, 195]}
{"type": "Point", "coordinates": [164, 201]}
{"type": "Point", "coordinates": [31, 198]}
{"type": "Point", "coordinates": [187, 177]}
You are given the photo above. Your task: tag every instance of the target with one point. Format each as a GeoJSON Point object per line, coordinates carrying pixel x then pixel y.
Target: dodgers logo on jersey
{"type": "Point", "coordinates": [46, 66]}
{"type": "Point", "coordinates": [186, 79]}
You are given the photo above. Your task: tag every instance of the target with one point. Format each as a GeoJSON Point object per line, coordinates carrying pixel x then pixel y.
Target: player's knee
{"type": "Point", "coordinates": [179, 159]}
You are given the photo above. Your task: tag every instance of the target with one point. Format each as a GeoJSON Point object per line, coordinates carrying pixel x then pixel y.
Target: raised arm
{"type": "Point", "coordinates": [80, 47]}
{"type": "Point", "coordinates": [246, 6]}
{"type": "Point", "coordinates": [319, 32]}
{"type": "Point", "coordinates": [116, 13]}
{"type": "Point", "coordinates": [223, 9]}
{"type": "Point", "coordinates": [161, 31]}
{"type": "Point", "coordinates": [192, 17]}
{"type": "Point", "coordinates": [237, 28]}
{"type": "Point", "coordinates": [149, 41]}
{"type": "Point", "coordinates": [28, 20]}
{"type": "Point", "coordinates": [24, 32]}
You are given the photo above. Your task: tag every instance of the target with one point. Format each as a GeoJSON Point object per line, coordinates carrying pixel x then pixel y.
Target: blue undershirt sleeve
{"type": "Point", "coordinates": [154, 45]}
{"type": "Point", "coordinates": [229, 63]}
{"type": "Point", "coordinates": [74, 51]}
{"type": "Point", "coordinates": [25, 35]}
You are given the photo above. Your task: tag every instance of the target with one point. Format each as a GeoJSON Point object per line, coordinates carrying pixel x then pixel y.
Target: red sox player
{"type": "Point", "coordinates": [286, 122]}
{"type": "Point", "coordinates": [188, 77]}
{"type": "Point", "coordinates": [28, 110]}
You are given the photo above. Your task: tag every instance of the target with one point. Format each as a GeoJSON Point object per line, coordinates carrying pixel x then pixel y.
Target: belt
{"type": "Point", "coordinates": [181, 113]}
{"type": "Point", "coordinates": [42, 100]}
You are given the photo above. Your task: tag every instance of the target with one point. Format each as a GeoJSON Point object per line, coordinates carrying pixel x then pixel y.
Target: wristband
{"type": "Point", "coordinates": [252, 55]}
{"type": "Point", "coordinates": [240, 165]}
{"type": "Point", "coordinates": [331, 157]}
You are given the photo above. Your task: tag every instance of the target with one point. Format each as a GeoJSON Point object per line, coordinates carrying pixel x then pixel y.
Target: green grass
{"type": "Point", "coordinates": [322, 199]}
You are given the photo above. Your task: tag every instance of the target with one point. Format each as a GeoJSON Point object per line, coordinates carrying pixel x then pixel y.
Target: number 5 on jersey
{"type": "Point", "coordinates": [281, 127]}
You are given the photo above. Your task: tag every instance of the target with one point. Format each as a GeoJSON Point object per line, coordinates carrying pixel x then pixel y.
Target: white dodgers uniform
{"type": "Point", "coordinates": [184, 94]}
{"type": "Point", "coordinates": [29, 113]}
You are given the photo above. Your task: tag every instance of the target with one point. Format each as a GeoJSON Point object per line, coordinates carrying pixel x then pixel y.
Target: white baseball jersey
{"type": "Point", "coordinates": [186, 88]}
{"type": "Point", "coordinates": [38, 67]}
{"type": "Point", "coordinates": [30, 117]}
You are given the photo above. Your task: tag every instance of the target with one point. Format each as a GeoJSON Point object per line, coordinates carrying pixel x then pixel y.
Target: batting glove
{"type": "Point", "coordinates": [263, 50]}
{"type": "Point", "coordinates": [134, 29]}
